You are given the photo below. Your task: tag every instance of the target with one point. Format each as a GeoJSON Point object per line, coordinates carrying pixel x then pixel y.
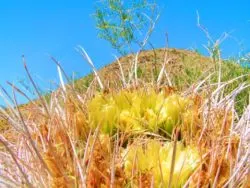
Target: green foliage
{"type": "Point", "coordinates": [139, 72]}
{"type": "Point", "coordinates": [122, 23]}
{"type": "Point", "coordinates": [232, 70]}
{"type": "Point", "coordinates": [81, 85]}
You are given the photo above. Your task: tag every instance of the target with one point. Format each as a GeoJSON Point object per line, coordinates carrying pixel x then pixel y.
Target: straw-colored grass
{"type": "Point", "coordinates": [132, 130]}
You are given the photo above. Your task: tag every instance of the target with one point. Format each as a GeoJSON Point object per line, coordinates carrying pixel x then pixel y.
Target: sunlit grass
{"type": "Point", "coordinates": [133, 129]}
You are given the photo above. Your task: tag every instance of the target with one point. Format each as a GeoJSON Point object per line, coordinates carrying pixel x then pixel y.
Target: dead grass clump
{"type": "Point", "coordinates": [138, 134]}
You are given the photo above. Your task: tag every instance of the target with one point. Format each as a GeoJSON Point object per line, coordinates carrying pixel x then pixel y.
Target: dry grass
{"type": "Point", "coordinates": [57, 144]}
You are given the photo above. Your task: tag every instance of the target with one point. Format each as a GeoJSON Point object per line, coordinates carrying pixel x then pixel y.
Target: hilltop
{"type": "Point", "coordinates": [183, 67]}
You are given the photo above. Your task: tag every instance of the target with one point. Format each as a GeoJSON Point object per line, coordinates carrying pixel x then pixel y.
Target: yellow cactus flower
{"type": "Point", "coordinates": [103, 113]}
{"type": "Point", "coordinates": [128, 121]}
{"type": "Point", "coordinates": [151, 119]}
{"type": "Point", "coordinates": [170, 110]}
{"type": "Point", "coordinates": [155, 159]}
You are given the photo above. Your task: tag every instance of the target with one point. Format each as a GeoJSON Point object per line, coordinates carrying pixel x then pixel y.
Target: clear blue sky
{"type": "Point", "coordinates": [57, 27]}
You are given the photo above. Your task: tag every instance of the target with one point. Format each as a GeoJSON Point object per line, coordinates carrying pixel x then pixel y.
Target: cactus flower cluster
{"type": "Point", "coordinates": [131, 111]}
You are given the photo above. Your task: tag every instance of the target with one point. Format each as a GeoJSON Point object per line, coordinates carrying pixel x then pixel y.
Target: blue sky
{"type": "Point", "coordinates": [57, 27]}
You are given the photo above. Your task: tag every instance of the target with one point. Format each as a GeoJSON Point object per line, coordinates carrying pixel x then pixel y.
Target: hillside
{"type": "Point", "coordinates": [183, 67]}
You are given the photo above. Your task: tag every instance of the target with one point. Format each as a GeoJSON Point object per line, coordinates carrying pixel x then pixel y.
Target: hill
{"type": "Point", "coordinates": [183, 67]}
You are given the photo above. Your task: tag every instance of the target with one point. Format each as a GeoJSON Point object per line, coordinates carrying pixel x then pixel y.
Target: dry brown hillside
{"type": "Point", "coordinates": [183, 67]}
